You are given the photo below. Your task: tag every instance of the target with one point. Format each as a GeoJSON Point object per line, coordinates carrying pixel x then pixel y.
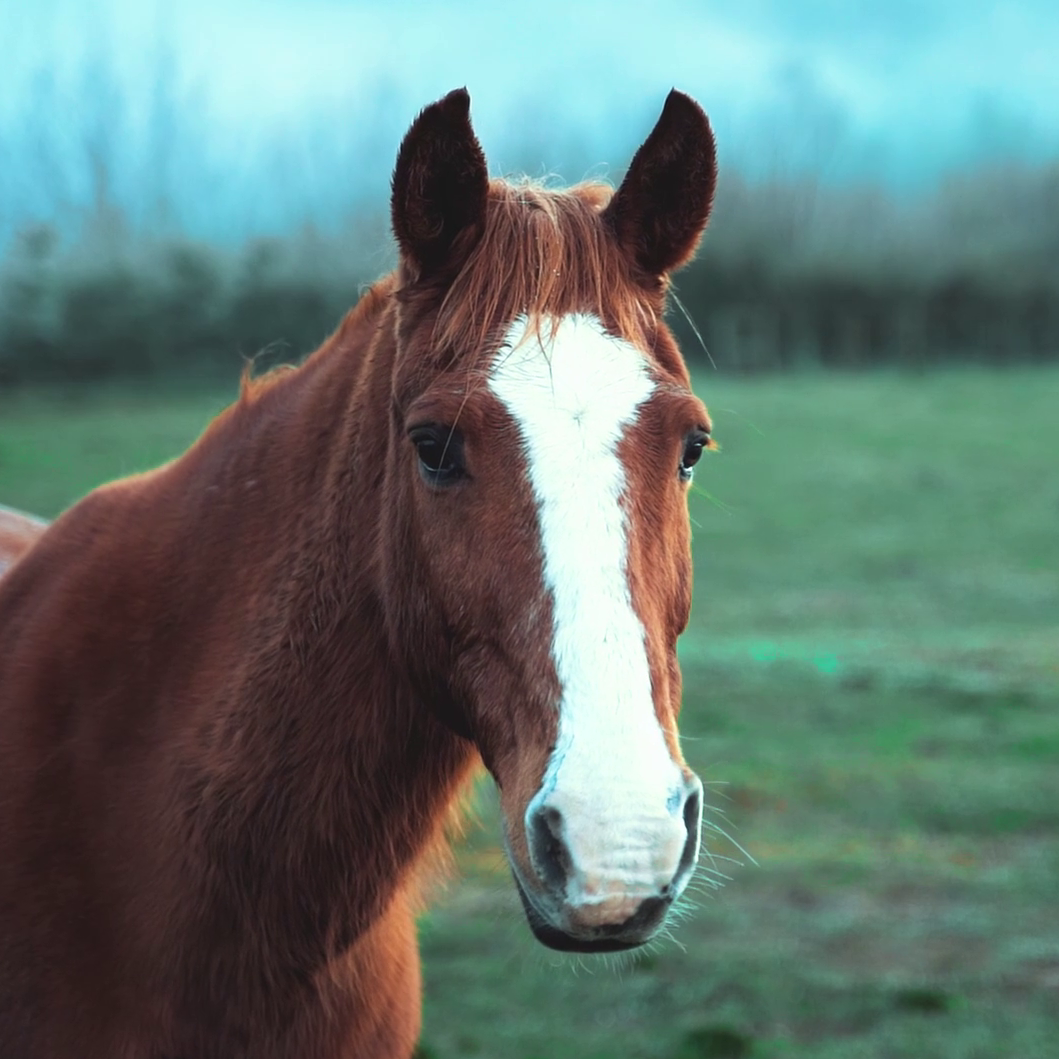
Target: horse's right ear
{"type": "Point", "coordinates": [662, 206]}
{"type": "Point", "coordinates": [440, 184]}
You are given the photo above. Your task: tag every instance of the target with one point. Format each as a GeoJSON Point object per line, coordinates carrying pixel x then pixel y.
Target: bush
{"type": "Point", "coordinates": [789, 276]}
{"type": "Point", "coordinates": [159, 311]}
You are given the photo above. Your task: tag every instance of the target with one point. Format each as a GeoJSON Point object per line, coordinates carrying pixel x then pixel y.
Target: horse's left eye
{"type": "Point", "coordinates": [694, 443]}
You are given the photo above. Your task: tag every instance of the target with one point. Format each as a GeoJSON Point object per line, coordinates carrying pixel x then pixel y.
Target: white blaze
{"type": "Point", "coordinates": [574, 392]}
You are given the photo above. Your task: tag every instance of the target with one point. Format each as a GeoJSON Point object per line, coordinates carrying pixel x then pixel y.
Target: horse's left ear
{"type": "Point", "coordinates": [440, 184]}
{"type": "Point", "coordinates": [662, 206]}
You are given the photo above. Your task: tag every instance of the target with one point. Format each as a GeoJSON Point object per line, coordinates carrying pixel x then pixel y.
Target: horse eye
{"type": "Point", "coordinates": [440, 451]}
{"type": "Point", "coordinates": [694, 443]}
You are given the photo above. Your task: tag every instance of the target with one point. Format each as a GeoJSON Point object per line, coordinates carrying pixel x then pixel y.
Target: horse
{"type": "Point", "coordinates": [17, 532]}
{"type": "Point", "coordinates": [240, 694]}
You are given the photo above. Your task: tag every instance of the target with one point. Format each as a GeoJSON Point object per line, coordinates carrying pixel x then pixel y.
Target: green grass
{"type": "Point", "coordinates": [872, 681]}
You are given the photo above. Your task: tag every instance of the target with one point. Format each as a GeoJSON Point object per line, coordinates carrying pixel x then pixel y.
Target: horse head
{"type": "Point", "coordinates": [535, 527]}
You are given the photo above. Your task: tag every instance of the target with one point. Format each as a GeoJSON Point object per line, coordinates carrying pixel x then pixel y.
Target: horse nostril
{"type": "Point", "coordinates": [693, 825]}
{"type": "Point", "coordinates": [548, 849]}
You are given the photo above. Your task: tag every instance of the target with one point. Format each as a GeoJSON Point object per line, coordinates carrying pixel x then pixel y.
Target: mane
{"type": "Point", "coordinates": [358, 320]}
{"type": "Point", "coordinates": [544, 253]}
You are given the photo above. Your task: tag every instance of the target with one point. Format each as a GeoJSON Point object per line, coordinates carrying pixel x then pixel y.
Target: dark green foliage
{"type": "Point", "coordinates": [715, 1042]}
{"type": "Point", "coordinates": [923, 1001]}
{"type": "Point", "coordinates": [788, 276]}
{"type": "Point", "coordinates": [163, 311]}
{"type": "Point", "coordinates": [792, 274]}
{"type": "Point", "coordinates": [753, 320]}
{"type": "Point", "coordinates": [105, 321]}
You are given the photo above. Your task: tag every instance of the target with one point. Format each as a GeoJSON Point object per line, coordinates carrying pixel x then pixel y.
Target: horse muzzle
{"type": "Point", "coordinates": [606, 881]}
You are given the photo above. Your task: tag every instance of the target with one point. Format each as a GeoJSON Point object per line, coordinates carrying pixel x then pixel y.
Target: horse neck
{"type": "Point", "coordinates": [326, 777]}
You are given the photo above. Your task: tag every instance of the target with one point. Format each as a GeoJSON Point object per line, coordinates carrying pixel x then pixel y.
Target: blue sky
{"type": "Point", "coordinates": [257, 111]}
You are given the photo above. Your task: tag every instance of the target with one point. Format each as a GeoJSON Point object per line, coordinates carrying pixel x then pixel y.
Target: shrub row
{"type": "Point", "coordinates": [179, 308]}
{"type": "Point", "coordinates": [751, 324]}
{"type": "Point", "coordinates": [162, 311]}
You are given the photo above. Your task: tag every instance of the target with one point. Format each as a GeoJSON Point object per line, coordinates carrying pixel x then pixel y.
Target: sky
{"type": "Point", "coordinates": [246, 116]}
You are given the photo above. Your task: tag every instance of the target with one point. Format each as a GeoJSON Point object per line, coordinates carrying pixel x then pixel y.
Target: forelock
{"type": "Point", "coordinates": [544, 254]}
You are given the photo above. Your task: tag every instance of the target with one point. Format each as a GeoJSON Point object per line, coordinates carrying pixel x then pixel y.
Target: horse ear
{"type": "Point", "coordinates": [662, 206]}
{"type": "Point", "coordinates": [440, 183]}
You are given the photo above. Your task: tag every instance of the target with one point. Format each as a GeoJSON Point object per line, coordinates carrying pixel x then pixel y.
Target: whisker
{"type": "Point", "coordinates": [749, 422]}
{"type": "Point", "coordinates": [716, 501]}
{"type": "Point", "coordinates": [693, 326]}
{"type": "Point", "coordinates": [724, 834]}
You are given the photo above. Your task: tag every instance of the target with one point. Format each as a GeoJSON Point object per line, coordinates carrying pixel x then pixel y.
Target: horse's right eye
{"type": "Point", "coordinates": [440, 451]}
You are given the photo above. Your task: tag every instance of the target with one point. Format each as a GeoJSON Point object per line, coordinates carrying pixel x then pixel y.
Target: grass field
{"type": "Point", "coordinates": [872, 686]}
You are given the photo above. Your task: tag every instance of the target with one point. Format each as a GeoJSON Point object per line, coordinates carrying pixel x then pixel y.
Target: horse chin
{"type": "Point", "coordinates": [621, 937]}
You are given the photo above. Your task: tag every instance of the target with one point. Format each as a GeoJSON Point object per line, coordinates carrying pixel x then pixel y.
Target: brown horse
{"type": "Point", "coordinates": [239, 694]}
{"type": "Point", "coordinates": [17, 532]}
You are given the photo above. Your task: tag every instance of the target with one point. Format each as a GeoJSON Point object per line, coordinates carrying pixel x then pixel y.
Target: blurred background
{"type": "Point", "coordinates": [872, 669]}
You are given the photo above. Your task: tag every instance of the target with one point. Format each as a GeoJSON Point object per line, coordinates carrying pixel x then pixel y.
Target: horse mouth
{"type": "Point", "coordinates": [619, 937]}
